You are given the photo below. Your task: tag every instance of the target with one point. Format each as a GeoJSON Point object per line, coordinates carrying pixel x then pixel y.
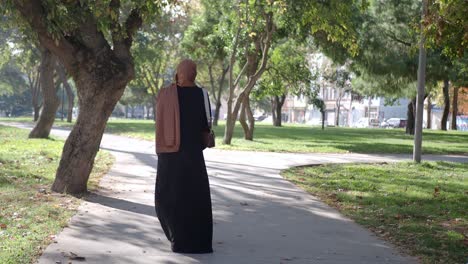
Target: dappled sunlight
{"type": "Point", "coordinates": [252, 206]}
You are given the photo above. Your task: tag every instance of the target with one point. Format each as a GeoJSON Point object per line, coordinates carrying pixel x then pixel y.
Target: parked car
{"type": "Point", "coordinates": [364, 122]}
{"type": "Point", "coordinates": [260, 117]}
{"type": "Point", "coordinates": [394, 123]}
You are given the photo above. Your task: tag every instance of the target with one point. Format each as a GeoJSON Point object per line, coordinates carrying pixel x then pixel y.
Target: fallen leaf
{"type": "Point", "coordinates": [3, 226]}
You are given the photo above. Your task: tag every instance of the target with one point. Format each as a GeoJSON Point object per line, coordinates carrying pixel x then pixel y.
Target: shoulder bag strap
{"type": "Point", "coordinates": [207, 106]}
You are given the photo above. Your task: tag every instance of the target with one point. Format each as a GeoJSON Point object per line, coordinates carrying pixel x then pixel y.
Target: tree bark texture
{"type": "Point", "coordinates": [49, 95]}
{"type": "Point", "coordinates": [410, 116]}
{"type": "Point", "coordinates": [446, 112]}
{"type": "Point", "coordinates": [247, 120]}
{"type": "Point", "coordinates": [277, 106]}
{"type": "Point", "coordinates": [455, 108]}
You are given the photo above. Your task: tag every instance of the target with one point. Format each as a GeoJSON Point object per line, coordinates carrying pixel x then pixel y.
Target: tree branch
{"type": "Point", "coordinates": [34, 13]}
{"type": "Point", "coordinates": [123, 40]}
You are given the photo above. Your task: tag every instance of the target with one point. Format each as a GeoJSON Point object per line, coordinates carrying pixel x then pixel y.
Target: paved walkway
{"type": "Point", "coordinates": [259, 217]}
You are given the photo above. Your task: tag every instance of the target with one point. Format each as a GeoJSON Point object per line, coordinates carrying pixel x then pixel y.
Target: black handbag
{"type": "Point", "coordinates": [208, 135]}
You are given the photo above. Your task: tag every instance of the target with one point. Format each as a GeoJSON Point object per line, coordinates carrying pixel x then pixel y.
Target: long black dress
{"type": "Point", "coordinates": [182, 197]}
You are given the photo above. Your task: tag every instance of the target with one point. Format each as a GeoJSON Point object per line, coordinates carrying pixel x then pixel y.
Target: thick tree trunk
{"type": "Point", "coordinates": [83, 142]}
{"type": "Point", "coordinates": [445, 114]}
{"type": "Point", "coordinates": [251, 120]}
{"type": "Point", "coordinates": [274, 115]}
{"type": "Point", "coordinates": [277, 106]}
{"type": "Point", "coordinates": [429, 112]}
{"type": "Point", "coordinates": [49, 95]}
{"type": "Point", "coordinates": [229, 129]}
{"type": "Point", "coordinates": [410, 116]}
{"type": "Point", "coordinates": [455, 108]}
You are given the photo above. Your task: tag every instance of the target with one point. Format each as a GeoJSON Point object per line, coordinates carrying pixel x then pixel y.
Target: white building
{"type": "Point", "coordinates": [296, 110]}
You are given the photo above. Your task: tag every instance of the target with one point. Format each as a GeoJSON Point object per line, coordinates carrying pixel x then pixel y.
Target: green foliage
{"type": "Point", "coordinates": [68, 16]}
{"type": "Point", "coordinates": [446, 26]}
{"type": "Point", "coordinates": [204, 40]}
{"type": "Point", "coordinates": [287, 72]}
{"type": "Point", "coordinates": [156, 52]}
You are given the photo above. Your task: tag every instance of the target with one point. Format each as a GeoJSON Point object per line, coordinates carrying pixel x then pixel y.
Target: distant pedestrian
{"type": "Point", "coordinates": [182, 197]}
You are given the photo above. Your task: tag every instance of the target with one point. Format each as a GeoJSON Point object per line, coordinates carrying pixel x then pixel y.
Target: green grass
{"type": "Point", "coordinates": [422, 208]}
{"type": "Point", "coordinates": [306, 139]}
{"type": "Point", "coordinates": [29, 218]}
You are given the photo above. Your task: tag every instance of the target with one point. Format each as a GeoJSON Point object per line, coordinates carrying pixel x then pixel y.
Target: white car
{"type": "Point", "coordinates": [364, 122]}
{"type": "Point", "coordinates": [393, 123]}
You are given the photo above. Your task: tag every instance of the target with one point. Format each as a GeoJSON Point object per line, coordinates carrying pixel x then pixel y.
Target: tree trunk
{"type": "Point", "coordinates": [37, 109]}
{"type": "Point", "coordinates": [148, 111]}
{"type": "Point", "coordinates": [83, 142]}
{"type": "Point", "coordinates": [274, 115]}
{"type": "Point", "coordinates": [217, 91]}
{"type": "Point", "coordinates": [229, 129]}
{"type": "Point", "coordinates": [429, 112]}
{"type": "Point", "coordinates": [70, 96]}
{"type": "Point", "coordinates": [216, 113]}
{"type": "Point", "coordinates": [323, 119]}
{"type": "Point", "coordinates": [410, 116]}
{"type": "Point", "coordinates": [249, 124]}
{"type": "Point", "coordinates": [455, 108]}
{"type": "Point", "coordinates": [35, 88]}
{"type": "Point", "coordinates": [337, 115]}
{"type": "Point", "coordinates": [49, 95]}
{"type": "Point", "coordinates": [277, 109]}
{"type": "Point", "coordinates": [445, 114]}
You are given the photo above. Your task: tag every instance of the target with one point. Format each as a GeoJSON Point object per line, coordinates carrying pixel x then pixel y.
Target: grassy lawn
{"type": "Point", "coordinates": [29, 214]}
{"type": "Point", "coordinates": [421, 208]}
{"type": "Point", "coordinates": [306, 139]}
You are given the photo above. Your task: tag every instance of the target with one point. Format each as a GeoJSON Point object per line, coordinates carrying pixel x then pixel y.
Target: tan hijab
{"type": "Point", "coordinates": [167, 105]}
{"type": "Point", "coordinates": [186, 73]}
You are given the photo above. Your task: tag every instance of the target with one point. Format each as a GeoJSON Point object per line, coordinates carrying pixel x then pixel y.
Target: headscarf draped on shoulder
{"type": "Point", "coordinates": [167, 108]}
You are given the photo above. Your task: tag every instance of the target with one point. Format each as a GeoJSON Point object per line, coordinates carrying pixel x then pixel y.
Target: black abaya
{"type": "Point", "coordinates": [182, 197]}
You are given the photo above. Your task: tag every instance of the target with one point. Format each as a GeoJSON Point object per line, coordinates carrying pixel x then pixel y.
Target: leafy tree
{"type": "Point", "coordinates": [204, 40]}
{"type": "Point", "coordinates": [156, 52]}
{"type": "Point", "coordinates": [255, 25]}
{"type": "Point", "coordinates": [13, 92]}
{"type": "Point", "coordinates": [93, 41]}
{"type": "Point", "coordinates": [446, 25]}
{"type": "Point", "coordinates": [287, 73]}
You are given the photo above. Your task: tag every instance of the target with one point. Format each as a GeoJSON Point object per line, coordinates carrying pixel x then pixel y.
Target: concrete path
{"type": "Point", "coordinates": [259, 217]}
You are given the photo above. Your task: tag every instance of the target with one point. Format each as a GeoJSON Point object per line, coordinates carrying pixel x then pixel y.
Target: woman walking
{"type": "Point", "coordinates": [182, 197]}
